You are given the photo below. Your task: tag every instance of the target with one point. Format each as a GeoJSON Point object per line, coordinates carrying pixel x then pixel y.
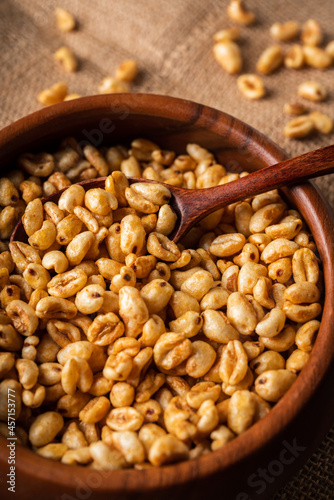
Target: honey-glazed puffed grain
{"type": "Point", "coordinates": [237, 12]}
{"type": "Point", "coordinates": [217, 327]}
{"type": "Point", "coordinates": [268, 360]}
{"type": "Point", "coordinates": [271, 385]}
{"type": "Point", "coordinates": [241, 411]}
{"type": "Point", "coordinates": [241, 313]}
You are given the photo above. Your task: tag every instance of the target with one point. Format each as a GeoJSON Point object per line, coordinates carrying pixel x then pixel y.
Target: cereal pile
{"type": "Point", "coordinates": [125, 349]}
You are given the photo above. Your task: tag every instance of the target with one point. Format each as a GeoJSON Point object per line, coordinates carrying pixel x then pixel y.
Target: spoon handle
{"type": "Point", "coordinates": [291, 171]}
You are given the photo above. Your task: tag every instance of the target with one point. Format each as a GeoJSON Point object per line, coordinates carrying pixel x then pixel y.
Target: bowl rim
{"type": "Point", "coordinates": [291, 404]}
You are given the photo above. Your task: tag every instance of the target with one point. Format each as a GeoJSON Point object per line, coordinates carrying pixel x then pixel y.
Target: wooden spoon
{"type": "Point", "coordinates": [192, 205]}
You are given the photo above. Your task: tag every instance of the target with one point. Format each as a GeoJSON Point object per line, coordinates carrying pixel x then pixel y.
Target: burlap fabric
{"type": "Point", "coordinates": [172, 42]}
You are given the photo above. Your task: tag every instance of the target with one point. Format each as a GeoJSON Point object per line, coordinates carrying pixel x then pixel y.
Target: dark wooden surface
{"type": "Point", "coordinates": [301, 418]}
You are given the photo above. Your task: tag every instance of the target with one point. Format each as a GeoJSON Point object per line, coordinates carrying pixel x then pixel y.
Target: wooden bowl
{"type": "Point", "coordinates": [232, 471]}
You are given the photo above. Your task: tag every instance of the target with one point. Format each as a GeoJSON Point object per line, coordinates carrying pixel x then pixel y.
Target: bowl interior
{"type": "Point", "coordinates": [173, 123]}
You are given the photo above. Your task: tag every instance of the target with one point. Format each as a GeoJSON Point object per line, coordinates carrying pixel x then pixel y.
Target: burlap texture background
{"type": "Point", "coordinates": [172, 43]}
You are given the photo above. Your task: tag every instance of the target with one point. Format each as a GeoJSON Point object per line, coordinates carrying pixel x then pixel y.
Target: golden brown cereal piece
{"type": "Point", "coordinates": [228, 55]}
{"type": "Point", "coordinates": [241, 411]}
{"type": "Point", "coordinates": [70, 406]}
{"type": "Point", "coordinates": [305, 266]}
{"type": "Point", "coordinates": [133, 235]}
{"type": "Point", "coordinates": [27, 372]}
{"type": "Point", "coordinates": [9, 293]}
{"type": "Point", "coordinates": [14, 389]}
{"type": "Point", "coordinates": [133, 310]}
{"type": "Point", "coordinates": [110, 85]}
{"type": "Point", "coordinates": [271, 385]}
{"type": "Point", "coordinates": [127, 71]}
{"type": "Point", "coordinates": [63, 333]}
{"type": "Point", "coordinates": [234, 363]}
{"type": "Point", "coordinates": [7, 361]}
{"type": "Point", "coordinates": [76, 373]}
{"type": "Point", "coordinates": [180, 419]}
{"type": "Point", "coordinates": [189, 324]}
{"type": "Point", "coordinates": [171, 350]}
{"type": "Point", "coordinates": [251, 86]}
{"type": "Point", "coordinates": [122, 394]}
{"type": "Point", "coordinates": [312, 91]}
{"type": "Point", "coordinates": [67, 228]}
{"type": "Point", "coordinates": [305, 336]}
{"type": "Point", "coordinates": [297, 360]}
{"type": "Point", "coordinates": [73, 437]}
{"type": "Point", "coordinates": [317, 58]}
{"type": "Point", "coordinates": [36, 276]}
{"type": "Point", "coordinates": [54, 307]}
{"type": "Point", "coordinates": [44, 237]}
{"type": "Point", "coordinates": [55, 451]}
{"type": "Point", "coordinates": [241, 313]}
{"type": "Point", "coordinates": [294, 57]}
{"type": "Point", "coordinates": [105, 329]}
{"type": "Point", "coordinates": [125, 418]}
{"type": "Point", "coordinates": [23, 317]}
{"type": "Point", "coordinates": [301, 313]}
{"type": "Point", "coordinates": [56, 261]}
{"type": "Point", "coordinates": [65, 20]}
{"type": "Point", "coordinates": [75, 457]}
{"type": "Point", "coordinates": [167, 449]}
{"type": "Point", "coordinates": [156, 295]}
{"type": "Point", "coordinates": [221, 436]}
{"type": "Point", "coordinates": [226, 245]}
{"type": "Point", "coordinates": [302, 292]}
{"type": "Point", "coordinates": [268, 360]}
{"type": "Point", "coordinates": [298, 128]}
{"type": "Point", "coordinates": [67, 284]}
{"type": "Point", "coordinates": [67, 58]}
{"type": "Point", "coordinates": [90, 299]}
{"type": "Point", "coordinates": [30, 191]}
{"type": "Point", "coordinates": [312, 33]}
{"type": "Point", "coordinates": [49, 373]}
{"type": "Point", "coordinates": [100, 202]}
{"type": "Point", "coordinates": [45, 428]}
{"type": "Point", "coordinates": [217, 327]}
{"type": "Point", "coordinates": [322, 122]}
{"type": "Point", "coordinates": [285, 32]}
{"type": "Point", "coordinates": [228, 34]}
{"type": "Point", "coordinates": [105, 457]}
{"type": "Point", "coordinates": [70, 198]}
{"type": "Point", "coordinates": [201, 359]}
{"type": "Point", "coordinates": [237, 12]}
{"type": "Point", "coordinates": [33, 217]}
{"type": "Point", "coordinates": [8, 193]}
{"type": "Point", "coordinates": [53, 95]}
{"type": "Point", "coordinates": [162, 247]}
{"type": "Point", "coordinates": [40, 164]}
{"type": "Point", "coordinates": [8, 220]}
{"type": "Point", "coordinates": [95, 410]}
{"type": "Point", "coordinates": [78, 248]}
{"type": "Point", "coordinates": [270, 60]}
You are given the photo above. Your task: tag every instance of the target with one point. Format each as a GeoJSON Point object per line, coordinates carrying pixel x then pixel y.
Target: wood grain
{"type": "Point", "coordinates": [173, 123]}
